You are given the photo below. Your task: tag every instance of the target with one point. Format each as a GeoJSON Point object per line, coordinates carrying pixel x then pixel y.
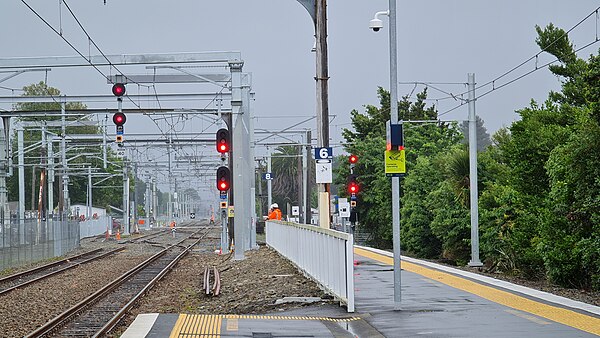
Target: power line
{"type": "Point", "coordinates": [516, 79]}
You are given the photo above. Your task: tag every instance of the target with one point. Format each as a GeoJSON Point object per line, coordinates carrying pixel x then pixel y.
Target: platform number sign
{"type": "Point", "coordinates": [268, 176]}
{"type": "Point", "coordinates": [325, 153]}
{"type": "Point", "coordinates": [323, 170]}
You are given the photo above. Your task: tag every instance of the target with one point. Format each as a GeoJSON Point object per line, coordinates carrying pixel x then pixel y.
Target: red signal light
{"type": "Point", "coordinates": [353, 159]}
{"type": "Point", "coordinates": [223, 179]}
{"type": "Point", "coordinates": [118, 89]}
{"type": "Point", "coordinates": [353, 188]}
{"type": "Point", "coordinates": [119, 119]}
{"type": "Point", "coordinates": [223, 140]}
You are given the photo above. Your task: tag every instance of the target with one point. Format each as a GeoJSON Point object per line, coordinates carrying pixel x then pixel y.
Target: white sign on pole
{"type": "Point", "coordinates": [344, 209]}
{"type": "Point", "coordinates": [295, 210]}
{"type": "Point", "coordinates": [120, 153]}
{"type": "Point", "coordinates": [323, 172]}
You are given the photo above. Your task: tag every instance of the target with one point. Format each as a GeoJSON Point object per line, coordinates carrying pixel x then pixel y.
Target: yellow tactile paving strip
{"type": "Point", "coordinates": [209, 326]}
{"type": "Point", "coordinates": [567, 317]}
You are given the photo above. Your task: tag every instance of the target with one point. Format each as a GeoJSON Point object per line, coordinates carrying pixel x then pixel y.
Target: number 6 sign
{"type": "Point", "coordinates": [323, 153]}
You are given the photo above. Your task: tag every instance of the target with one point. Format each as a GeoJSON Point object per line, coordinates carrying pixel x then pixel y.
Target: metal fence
{"type": "Point", "coordinates": [94, 227]}
{"type": "Point", "coordinates": [24, 241]}
{"type": "Point", "coordinates": [325, 255]}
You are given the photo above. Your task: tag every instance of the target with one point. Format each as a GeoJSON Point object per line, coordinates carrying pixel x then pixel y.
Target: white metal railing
{"type": "Point", "coordinates": [325, 255]}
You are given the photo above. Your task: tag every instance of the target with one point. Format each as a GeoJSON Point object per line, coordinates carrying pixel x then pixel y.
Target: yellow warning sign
{"type": "Point", "coordinates": [230, 211]}
{"type": "Point", "coordinates": [395, 162]}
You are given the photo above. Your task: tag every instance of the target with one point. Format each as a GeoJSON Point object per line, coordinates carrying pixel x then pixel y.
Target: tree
{"type": "Point", "coordinates": [368, 142]}
{"type": "Point", "coordinates": [77, 184]}
{"type": "Point", "coordinates": [288, 175]}
{"type": "Point", "coordinates": [483, 138]}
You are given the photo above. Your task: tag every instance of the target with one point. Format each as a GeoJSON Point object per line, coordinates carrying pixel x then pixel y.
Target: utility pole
{"type": "Point", "coordinates": [89, 199]}
{"type": "Point", "coordinates": [65, 177]}
{"type": "Point", "coordinates": [306, 187]}
{"type": "Point", "coordinates": [50, 180]}
{"type": "Point", "coordinates": [473, 174]}
{"type": "Point", "coordinates": [322, 102]}
{"type": "Point", "coordinates": [135, 196]}
{"type": "Point", "coordinates": [269, 182]}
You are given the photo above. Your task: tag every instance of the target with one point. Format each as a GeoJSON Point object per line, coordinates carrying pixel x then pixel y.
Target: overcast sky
{"type": "Point", "coordinates": [439, 41]}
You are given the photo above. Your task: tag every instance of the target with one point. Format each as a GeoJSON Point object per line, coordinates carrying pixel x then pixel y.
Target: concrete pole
{"type": "Point", "coordinates": [247, 102]}
{"type": "Point", "coordinates": [21, 171]}
{"type": "Point", "coordinates": [104, 130]}
{"type": "Point", "coordinates": [473, 174]}
{"type": "Point", "coordinates": [50, 180]}
{"type": "Point", "coordinates": [136, 198]}
{"type": "Point", "coordinates": [169, 206]}
{"type": "Point", "coordinates": [175, 199]}
{"type": "Point", "coordinates": [4, 214]}
{"type": "Point", "coordinates": [65, 177]}
{"type": "Point", "coordinates": [269, 182]}
{"type": "Point", "coordinates": [154, 200]}
{"type": "Point", "coordinates": [307, 179]}
{"type": "Point", "coordinates": [89, 199]}
{"type": "Point", "coordinates": [322, 102]}
{"type": "Point", "coordinates": [305, 208]}
{"type": "Point", "coordinates": [125, 198]}
{"type": "Point", "coordinates": [395, 180]}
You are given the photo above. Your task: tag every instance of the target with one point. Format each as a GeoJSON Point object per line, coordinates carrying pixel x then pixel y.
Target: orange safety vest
{"type": "Point", "coordinates": [275, 214]}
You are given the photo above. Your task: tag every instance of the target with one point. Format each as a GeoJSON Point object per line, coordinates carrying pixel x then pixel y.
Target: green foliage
{"type": "Point", "coordinates": [35, 159]}
{"type": "Point", "coordinates": [539, 180]}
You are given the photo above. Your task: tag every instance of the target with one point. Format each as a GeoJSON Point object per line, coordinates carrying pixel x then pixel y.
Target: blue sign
{"type": "Point", "coordinates": [323, 153]}
{"type": "Point", "coordinates": [268, 176]}
{"type": "Point", "coordinates": [223, 195]}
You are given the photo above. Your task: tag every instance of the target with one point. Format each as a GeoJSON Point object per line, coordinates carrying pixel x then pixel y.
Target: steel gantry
{"type": "Point", "coordinates": [234, 87]}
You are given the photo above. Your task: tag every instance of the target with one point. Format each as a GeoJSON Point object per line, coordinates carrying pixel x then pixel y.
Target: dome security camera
{"type": "Point", "coordinates": [376, 25]}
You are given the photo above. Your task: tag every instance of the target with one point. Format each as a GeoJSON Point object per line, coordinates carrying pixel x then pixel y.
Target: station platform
{"type": "Point", "coordinates": [437, 301]}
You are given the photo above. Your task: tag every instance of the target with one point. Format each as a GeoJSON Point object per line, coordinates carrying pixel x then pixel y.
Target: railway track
{"type": "Point", "coordinates": [19, 280]}
{"type": "Point", "coordinates": [101, 312]}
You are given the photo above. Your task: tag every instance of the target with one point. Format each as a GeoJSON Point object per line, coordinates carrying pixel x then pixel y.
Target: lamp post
{"type": "Point", "coordinates": [395, 180]}
{"type": "Point", "coordinates": [375, 24]}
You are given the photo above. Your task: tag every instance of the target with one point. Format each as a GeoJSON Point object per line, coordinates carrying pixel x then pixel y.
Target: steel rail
{"type": "Point", "coordinates": [58, 322]}
{"type": "Point", "coordinates": [68, 267]}
{"type": "Point", "coordinates": [45, 266]}
{"type": "Point", "coordinates": [123, 311]}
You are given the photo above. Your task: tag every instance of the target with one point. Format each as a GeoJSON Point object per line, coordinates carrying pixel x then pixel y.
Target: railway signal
{"type": "Point", "coordinates": [353, 187]}
{"type": "Point", "coordinates": [353, 159]}
{"type": "Point", "coordinates": [223, 141]}
{"type": "Point", "coordinates": [223, 179]}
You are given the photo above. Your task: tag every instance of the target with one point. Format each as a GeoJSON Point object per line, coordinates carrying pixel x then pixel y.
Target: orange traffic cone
{"type": "Point", "coordinates": [118, 236]}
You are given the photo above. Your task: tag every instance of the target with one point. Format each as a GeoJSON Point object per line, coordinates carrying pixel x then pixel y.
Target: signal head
{"type": "Point", "coordinates": [353, 159]}
{"type": "Point", "coordinates": [223, 179]}
{"type": "Point", "coordinates": [118, 89]}
{"type": "Point", "coordinates": [223, 141]}
{"type": "Point", "coordinates": [119, 119]}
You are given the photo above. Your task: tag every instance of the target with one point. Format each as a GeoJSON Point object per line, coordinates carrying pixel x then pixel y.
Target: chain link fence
{"type": "Point", "coordinates": [29, 240]}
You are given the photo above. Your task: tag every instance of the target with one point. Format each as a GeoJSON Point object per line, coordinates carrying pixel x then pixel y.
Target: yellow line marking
{"type": "Point", "coordinates": [209, 326]}
{"type": "Point", "coordinates": [567, 317]}
{"type": "Point", "coordinates": [177, 327]}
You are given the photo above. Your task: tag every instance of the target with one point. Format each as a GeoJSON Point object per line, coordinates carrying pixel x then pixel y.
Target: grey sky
{"type": "Point", "coordinates": [439, 41]}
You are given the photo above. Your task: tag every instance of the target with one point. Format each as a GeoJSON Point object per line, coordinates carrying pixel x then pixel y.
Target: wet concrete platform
{"type": "Point", "coordinates": [437, 301]}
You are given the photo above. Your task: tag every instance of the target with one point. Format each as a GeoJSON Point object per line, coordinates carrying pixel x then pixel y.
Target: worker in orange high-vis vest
{"type": "Point", "coordinates": [274, 212]}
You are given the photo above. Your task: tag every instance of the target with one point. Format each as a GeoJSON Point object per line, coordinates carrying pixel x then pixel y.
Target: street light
{"type": "Point", "coordinates": [375, 25]}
